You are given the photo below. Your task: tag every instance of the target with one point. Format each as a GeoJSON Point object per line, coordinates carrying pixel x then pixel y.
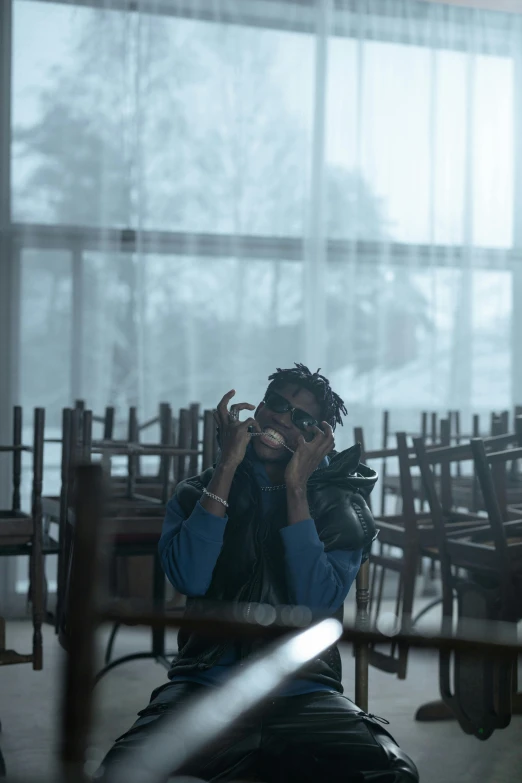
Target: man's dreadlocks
{"type": "Point", "coordinates": [331, 403]}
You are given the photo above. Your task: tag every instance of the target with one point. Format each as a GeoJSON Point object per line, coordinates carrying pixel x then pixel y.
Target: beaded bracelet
{"type": "Point", "coordinates": [215, 497]}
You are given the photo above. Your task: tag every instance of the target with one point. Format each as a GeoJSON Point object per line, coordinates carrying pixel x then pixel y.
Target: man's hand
{"type": "Point", "coordinates": [308, 456]}
{"type": "Point", "coordinates": [234, 434]}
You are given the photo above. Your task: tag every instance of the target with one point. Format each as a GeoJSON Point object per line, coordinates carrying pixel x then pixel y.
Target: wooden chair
{"type": "Point", "coordinates": [136, 509]}
{"type": "Point", "coordinates": [478, 566]}
{"type": "Point", "coordinates": [394, 531]}
{"type": "Point", "coordinates": [431, 426]}
{"type": "Point", "coordinates": [22, 534]}
{"type": "Point", "coordinates": [397, 532]}
{"type": "Point", "coordinates": [134, 577]}
{"type": "Point", "coordinates": [408, 537]}
{"type": "Point", "coordinates": [135, 489]}
{"type": "Point", "coordinates": [389, 477]}
{"type": "Point", "coordinates": [429, 430]}
{"type": "Point", "coordinates": [508, 480]}
{"type": "Point", "coordinates": [10, 517]}
{"type": "Point", "coordinates": [183, 430]}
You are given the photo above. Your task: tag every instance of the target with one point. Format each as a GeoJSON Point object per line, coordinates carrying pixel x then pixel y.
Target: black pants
{"type": "Point", "coordinates": [321, 737]}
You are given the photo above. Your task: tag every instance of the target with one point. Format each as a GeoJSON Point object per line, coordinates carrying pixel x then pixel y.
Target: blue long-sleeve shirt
{"type": "Point", "coordinates": [189, 549]}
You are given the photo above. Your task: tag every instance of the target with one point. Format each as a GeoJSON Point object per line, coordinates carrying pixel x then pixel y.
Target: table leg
{"type": "Point", "coordinates": [434, 711]}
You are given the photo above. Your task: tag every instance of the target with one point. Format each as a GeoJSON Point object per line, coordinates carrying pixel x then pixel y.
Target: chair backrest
{"type": "Point", "coordinates": [444, 456]}
{"type": "Point", "coordinates": [17, 448]}
{"type": "Point", "coordinates": [490, 465]}
{"type": "Point", "coordinates": [386, 452]}
{"type": "Point", "coordinates": [409, 513]}
{"type": "Point", "coordinates": [194, 411]}
{"type": "Point", "coordinates": [385, 437]}
{"type": "Point", "coordinates": [192, 431]}
{"type": "Point", "coordinates": [404, 527]}
{"type": "Point", "coordinates": [166, 439]}
{"type": "Point", "coordinates": [501, 452]}
{"type": "Point", "coordinates": [77, 446]}
{"type": "Point", "coordinates": [133, 461]}
{"type": "Point", "coordinates": [65, 495]}
{"type": "Point", "coordinates": [108, 423]}
{"type": "Point", "coordinates": [440, 502]}
{"type": "Point", "coordinates": [209, 438]}
{"type": "Point", "coordinates": [36, 557]}
{"type": "Point", "coordinates": [389, 452]}
{"type": "Point", "coordinates": [17, 457]}
{"type": "Point", "coordinates": [485, 465]}
{"type": "Point", "coordinates": [499, 423]}
{"type": "Point", "coordinates": [183, 442]}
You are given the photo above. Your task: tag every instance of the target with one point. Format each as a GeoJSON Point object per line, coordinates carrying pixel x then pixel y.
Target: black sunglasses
{"type": "Point", "coordinates": [278, 404]}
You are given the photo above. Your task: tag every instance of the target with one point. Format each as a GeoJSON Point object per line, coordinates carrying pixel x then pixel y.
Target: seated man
{"type": "Point", "coordinates": [281, 519]}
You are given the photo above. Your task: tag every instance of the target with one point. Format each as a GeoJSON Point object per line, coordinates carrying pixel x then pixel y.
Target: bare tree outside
{"type": "Point", "coordinates": [184, 126]}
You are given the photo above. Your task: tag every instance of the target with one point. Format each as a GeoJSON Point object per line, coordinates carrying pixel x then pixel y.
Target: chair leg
{"type": "Point", "coordinates": [373, 606]}
{"type": "Point", "coordinates": [426, 609]}
{"type": "Point", "coordinates": [380, 590]}
{"type": "Point", "coordinates": [434, 711]}
{"type": "Point", "coordinates": [429, 587]}
{"type": "Point", "coordinates": [110, 643]}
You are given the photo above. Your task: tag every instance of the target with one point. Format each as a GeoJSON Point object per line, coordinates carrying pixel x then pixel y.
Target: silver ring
{"type": "Point", "coordinates": [233, 414]}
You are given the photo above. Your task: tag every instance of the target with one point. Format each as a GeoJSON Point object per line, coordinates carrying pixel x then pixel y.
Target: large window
{"type": "Point", "coordinates": [46, 327]}
{"type": "Point", "coordinates": [169, 174]}
{"type": "Point", "coordinates": [179, 323]}
{"type": "Point", "coordinates": [154, 122]}
{"type": "Point", "coordinates": [407, 118]}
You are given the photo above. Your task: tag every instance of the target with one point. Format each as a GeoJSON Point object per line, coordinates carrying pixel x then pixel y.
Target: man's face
{"type": "Point", "coordinates": [281, 425]}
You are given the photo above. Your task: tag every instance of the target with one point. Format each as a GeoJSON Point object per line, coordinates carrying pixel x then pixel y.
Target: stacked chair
{"type": "Point", "coordinates": [466, 495]}
{"type": "Point", "coordinates": [458, 505]}
{"type": "Point", "coordinates": [22, 534]}
{"type": "Point", "coordinates": [430, 431]}
{"type": "Point", "coordinates": [482, 568]}
{"type": "Point", "coordinates": [135, 510]}
{"type": "Point", "coordinates": [203, 721]}
{"type": "Point", "coordinates": [136, 504]}
{"type": "Point", "coordinates": [405, 537]}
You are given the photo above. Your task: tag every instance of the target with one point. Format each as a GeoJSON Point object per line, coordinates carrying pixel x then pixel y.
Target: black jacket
{"type": "Point", "coordinates": [251, 567]}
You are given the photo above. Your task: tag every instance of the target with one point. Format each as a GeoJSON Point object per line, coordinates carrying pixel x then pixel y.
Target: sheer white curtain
{"type": "Point", "coordinates": [203, 191]}
{"type": "Point", "coordinates": [421, 106]}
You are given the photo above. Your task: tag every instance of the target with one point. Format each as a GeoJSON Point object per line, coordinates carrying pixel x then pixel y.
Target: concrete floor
{"type": "Point", "coordinates": [30, 702]}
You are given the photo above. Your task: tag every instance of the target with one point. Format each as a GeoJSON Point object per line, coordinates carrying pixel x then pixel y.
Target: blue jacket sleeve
{"type": "Point", "coordinates": [317, 579]}
{"type": "Point", "coordinates": [189, 547]}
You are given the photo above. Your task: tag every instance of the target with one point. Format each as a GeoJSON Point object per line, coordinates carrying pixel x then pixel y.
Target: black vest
{"type": "Point", "coordinates": [251, 567]}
